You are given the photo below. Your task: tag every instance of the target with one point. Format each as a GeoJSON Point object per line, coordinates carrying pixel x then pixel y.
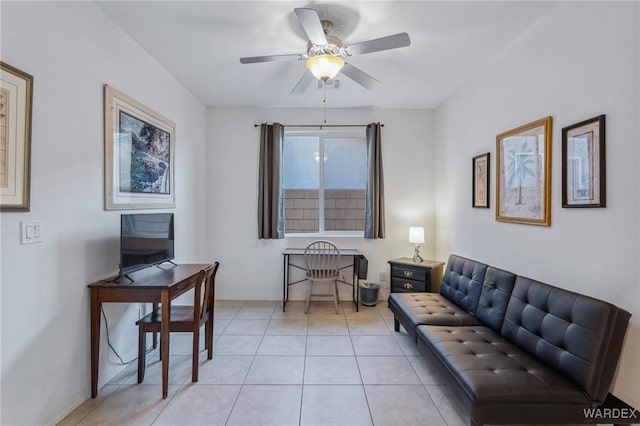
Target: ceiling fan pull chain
{"type": "Point", "coordinates": [324, 100]}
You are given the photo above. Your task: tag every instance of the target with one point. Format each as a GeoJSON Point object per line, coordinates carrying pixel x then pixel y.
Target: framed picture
{"type": "Point", "coordinates": [16, 96]}
{"type": "Point", "coordinates": [523, 187]}
{"type": "Point", "coordinates": [583, 164]}
{"type": "Point", "coordinates": [139, 155]}
{"type": "Point", "coordinates": [481, 181]}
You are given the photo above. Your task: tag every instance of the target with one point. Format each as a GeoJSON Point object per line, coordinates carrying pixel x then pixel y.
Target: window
{"type": "Point", "coordinates": [324, 177]}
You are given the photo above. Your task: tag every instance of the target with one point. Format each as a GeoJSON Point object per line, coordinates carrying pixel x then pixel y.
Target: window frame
{"type": "Point", "coordinates": [322, 133]}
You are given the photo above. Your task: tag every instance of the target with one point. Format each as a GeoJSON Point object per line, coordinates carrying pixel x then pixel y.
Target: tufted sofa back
{"type": "Point", "coordinates": [494, 297]}
{"type": "Point", "coordinates": [577, 335]}
{"type": "Point", "coordinates": [462, 282]}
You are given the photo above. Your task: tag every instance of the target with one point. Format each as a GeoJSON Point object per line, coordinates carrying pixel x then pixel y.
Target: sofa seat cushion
{"type": "Point", "coordinates": [428, 308]}
{"type": "Point", "coordinates": [490, 369]}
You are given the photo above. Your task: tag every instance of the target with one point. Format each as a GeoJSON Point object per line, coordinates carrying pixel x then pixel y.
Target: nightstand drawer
{"type": "Point", "coordinates": [402, 284]}
{"type": "Point", "coordinates": [407, 272]}
{"type": "Point", "coordinates": [406, 276]}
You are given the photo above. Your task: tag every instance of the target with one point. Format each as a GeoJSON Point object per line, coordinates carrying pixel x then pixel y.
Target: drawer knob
{"type": "Point", "coordinates": [407, 286]}
{"type": "Point", "coordinates": [408, 274]}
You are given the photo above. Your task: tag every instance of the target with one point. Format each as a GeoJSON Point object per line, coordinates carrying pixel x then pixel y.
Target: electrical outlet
{"type": "Point", "coordinates": [383, 276]}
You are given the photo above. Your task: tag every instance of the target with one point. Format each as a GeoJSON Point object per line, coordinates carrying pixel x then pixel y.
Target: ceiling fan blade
{"type": "Point", "coordinates": [311, 25]}
{"type": "Point", "coordinates": [303, 84]}
{"type": "Point", "coordinates": [360, 77]}
{"type": "Point", "coordinates": [378, 44]}
{"type": "Point", "coordinates": [272, 58]}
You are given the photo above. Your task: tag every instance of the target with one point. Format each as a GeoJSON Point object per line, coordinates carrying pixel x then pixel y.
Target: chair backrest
{"type": "Point", "coordinates": [322, 259]}
{"type": "Point", "coordinates": [205, 293]}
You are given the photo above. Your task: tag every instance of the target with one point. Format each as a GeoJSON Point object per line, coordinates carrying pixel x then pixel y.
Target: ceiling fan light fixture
{"type": "Point", "coordinates": [325, 66]}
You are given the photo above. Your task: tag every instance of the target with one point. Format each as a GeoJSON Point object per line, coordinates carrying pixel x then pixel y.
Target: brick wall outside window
{"type": "Point", "coordinates": [343, 210]}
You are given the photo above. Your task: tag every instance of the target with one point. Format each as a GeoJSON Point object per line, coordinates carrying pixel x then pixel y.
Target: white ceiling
{"type": "Point", "coordinates": [200, 43]}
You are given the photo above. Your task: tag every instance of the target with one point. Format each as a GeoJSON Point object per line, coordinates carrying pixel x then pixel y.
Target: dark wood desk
{"type": "Point", "coordinates": [156, 284]}
{"type": "Point", "coordinates": [355, 279]}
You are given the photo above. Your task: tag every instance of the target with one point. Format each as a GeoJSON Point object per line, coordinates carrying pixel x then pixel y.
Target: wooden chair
{"type": "Point", "coordinates": [322, 259]}
{"type": "Point", "coordinates": [184, 319]}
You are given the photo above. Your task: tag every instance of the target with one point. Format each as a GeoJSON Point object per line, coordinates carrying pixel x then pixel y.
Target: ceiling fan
{"type": "Point", "coordinates": [325, 53]}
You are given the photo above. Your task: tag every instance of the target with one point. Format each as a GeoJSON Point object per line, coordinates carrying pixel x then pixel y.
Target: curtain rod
{"type": "Point", "coordinates": [322, 125]}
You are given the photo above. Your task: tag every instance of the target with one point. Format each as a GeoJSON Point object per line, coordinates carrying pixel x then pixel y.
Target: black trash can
{"type": "Point", "coordinates": [369, 293]}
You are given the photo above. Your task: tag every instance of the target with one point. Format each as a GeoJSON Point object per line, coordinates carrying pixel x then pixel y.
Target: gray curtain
{"type": "Point", "coordinates": [374, 221]}
{"type": "Point", "coordinates": [270, 201]}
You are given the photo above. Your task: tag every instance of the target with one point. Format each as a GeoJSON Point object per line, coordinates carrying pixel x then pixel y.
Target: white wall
{"type": "Point", "coordinates": [578, 61]}
{"type": "Point", "coordinates": [72, 49]}
{"type": "Point", "coordinates": [252, 268]}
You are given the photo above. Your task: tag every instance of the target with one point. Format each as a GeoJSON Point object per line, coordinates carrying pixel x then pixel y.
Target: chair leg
{"type": "Point", "coordinates": [337, 292]}
{"type": "Point", "coordinates": [154, 306]}
{"type": "Point", "coordinates": [142, 348]}
{"type": "Point", "coordinates": [196, 353]}
{"type": "Point", "coordinates": [334, 287]}
{"type": "Point", "coordinates": [208, 339]}
{"type": "Point", "coordinates": [306, 308]}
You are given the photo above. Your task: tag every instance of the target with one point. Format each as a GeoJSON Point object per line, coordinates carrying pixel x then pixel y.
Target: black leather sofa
{"type": "Point", "coordinates": [512, 349]}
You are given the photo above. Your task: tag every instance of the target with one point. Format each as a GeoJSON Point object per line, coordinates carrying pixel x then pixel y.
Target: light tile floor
{"type": "Point", "coordinates": [284, 368]}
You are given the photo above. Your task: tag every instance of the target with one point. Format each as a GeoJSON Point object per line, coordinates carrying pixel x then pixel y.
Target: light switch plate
{"type": "Point", "coordinates": [30, 231]}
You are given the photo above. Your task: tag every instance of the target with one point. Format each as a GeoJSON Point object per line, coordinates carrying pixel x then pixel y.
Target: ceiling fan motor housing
{"type": "Point", "coordinates": [333, 47]}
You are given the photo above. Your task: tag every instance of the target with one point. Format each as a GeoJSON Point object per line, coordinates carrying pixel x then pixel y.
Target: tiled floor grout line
{"type": "Point", "coordinates": [436, 405]}
{"type": "Point", "coordinates": [168, 401]}
{"type": "Point", "coordinates": [418, 375]}
{"type": "Point", "coordinates": [358, 332]}
{"type": "Point", "coordinates": [304, 369]}
{"type": "Point", "coordinates": [364, 391]}
{"type": "Point", "coordinates": [244, 381]}
{"type": "Point", "coordinates": [235, 400]}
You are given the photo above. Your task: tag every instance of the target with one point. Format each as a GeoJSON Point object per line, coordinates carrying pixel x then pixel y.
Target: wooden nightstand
{"type": "Point", "coordinates": [410, 277]}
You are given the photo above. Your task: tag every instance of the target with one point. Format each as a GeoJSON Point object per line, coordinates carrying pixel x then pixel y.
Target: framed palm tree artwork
{"type": "Point", "coordinates": [523, 174]}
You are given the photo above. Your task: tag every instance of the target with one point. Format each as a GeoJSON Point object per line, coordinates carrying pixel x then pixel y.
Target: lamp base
{"type": "Point", "coordinates": [416, 255]}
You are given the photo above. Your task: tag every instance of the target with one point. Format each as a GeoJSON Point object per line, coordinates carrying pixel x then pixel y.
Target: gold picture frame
{"type": "Point", "coordinates": [16, 100]}
{"type": "Point", "coordinates": [139, 150]}
{"type": "Point", "coordinates": [523, 171]}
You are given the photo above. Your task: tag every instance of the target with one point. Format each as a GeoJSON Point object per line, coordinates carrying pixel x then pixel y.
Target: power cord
{"type": "Point", "coordinates": [106, 326]}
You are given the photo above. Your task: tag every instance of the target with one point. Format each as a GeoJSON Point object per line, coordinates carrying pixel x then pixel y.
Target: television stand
{"type": "Point", "coordinates": [159, 265]}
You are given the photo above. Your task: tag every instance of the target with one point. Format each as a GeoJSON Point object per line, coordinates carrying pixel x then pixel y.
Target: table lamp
{"type": "Point", "coordinates": [416, 236]}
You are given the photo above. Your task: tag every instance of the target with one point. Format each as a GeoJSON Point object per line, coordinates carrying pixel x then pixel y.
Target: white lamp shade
{"type": "Point", "coordinates": [324, 67]}
{"type": "Point", "coordinates": [416, 234]}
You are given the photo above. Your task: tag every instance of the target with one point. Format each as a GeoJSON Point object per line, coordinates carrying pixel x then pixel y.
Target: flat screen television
{"type": "Point", "coordinates": [146, 239]}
